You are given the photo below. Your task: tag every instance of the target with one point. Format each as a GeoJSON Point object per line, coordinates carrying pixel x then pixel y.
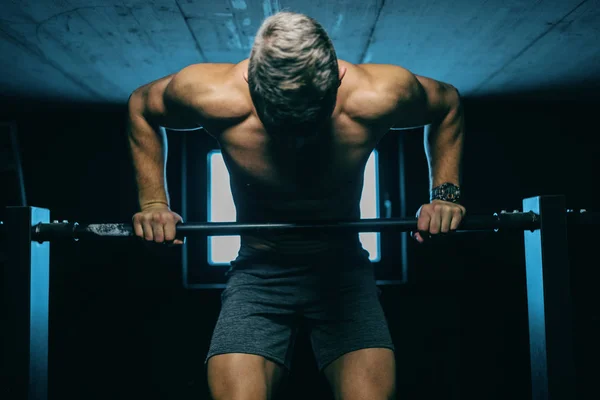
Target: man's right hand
{"type": "Point", "coordinates": [157, 224]}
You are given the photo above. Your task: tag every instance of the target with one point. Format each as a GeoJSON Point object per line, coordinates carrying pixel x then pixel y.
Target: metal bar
{"type": "Point", "coordinates": [549, 301]}
{"type": "Point", "coordinates": [403, 206]}
{"type": "Point", "coordinates": [516, 221]}
{"type": "Point", "coordinates": [184, 207]}
{"type": "Point", "coordinates": [26, 291]}
{"type": "Point", "coordinates": [582, 217]}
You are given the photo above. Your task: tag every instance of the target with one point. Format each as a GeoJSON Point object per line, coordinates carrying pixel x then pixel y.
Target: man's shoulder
{"type": "Point", "coordinates": [380, 70]}
{"type": "Point", "coordinates": [388, 79]}
{"type": "Point", "coordinates": [216, 90]}
{"type": "Point", "coordinates": [376, 89]}
{"type": "Point", "coordinates": [206, 72]}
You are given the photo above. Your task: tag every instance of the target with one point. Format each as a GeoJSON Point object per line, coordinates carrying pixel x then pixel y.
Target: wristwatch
{"type": "Point", "coordinates": [446, 192]}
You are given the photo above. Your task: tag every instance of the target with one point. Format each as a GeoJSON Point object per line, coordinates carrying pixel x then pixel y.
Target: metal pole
{"type": "Point", "coordinates": [54, 231]}
{"type": "Point", "coordinates": [403, 206]}
{"type": "Point", "coordinates": [549, 301]}
{"type": "Point", "coordinates": [26, 292]}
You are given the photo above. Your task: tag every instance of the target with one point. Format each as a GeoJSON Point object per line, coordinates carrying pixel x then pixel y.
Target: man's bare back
{"type": "Point", "coordinates": [285, 172]}
{"type": "Point", "coordinates": [314, 179]}
{"type": "Point", "coordinates": [216, 97]}
{"type": "Point", "coordinates": [320, 178]}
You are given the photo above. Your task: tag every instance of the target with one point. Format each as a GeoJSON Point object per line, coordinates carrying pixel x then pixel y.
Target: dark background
{"type": "Point", "coordinates": [122, 326]}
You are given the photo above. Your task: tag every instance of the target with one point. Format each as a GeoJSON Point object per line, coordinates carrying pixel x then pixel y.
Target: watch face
{"type": "Point", "coordinates": [447, 192]}
{"type": "Point", "coordinates": [452, 192]}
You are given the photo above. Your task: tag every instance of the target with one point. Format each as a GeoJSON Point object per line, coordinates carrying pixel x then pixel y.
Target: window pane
{"type": "Point", "coordinates": [369, 206]}
{"type": "Point", "coordinates": [223, 249]}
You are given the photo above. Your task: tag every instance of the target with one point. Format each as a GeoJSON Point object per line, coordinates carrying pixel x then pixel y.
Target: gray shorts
{"type": "Point", "coordinates": [264, 305]}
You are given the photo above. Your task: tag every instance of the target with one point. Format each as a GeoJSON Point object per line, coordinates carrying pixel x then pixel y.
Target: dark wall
{"type": "Point", "coordinates": [122, 326]}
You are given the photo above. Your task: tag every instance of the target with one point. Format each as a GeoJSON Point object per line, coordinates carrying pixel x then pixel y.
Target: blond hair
{"type": "Point", "coordinates": [293, 73]}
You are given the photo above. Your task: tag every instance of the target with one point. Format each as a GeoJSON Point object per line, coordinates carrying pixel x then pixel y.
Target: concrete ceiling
{"type": "Point", "coordinates": [99, 51]}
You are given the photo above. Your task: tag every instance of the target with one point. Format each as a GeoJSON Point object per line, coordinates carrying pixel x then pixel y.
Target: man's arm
{"type": "Point", "coordinates": [418, 101]}
{"type": "Point", "coordinates": [151, 108]}
{"type": "Point", "coordinates": [444, 135]}
{"type": "Point", "coordinates": [436, 105]}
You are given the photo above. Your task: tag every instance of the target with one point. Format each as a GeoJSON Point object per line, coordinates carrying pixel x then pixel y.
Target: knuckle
{"type": "Point", "coordinates": [157, 217]}
{"type": "Point", "coordinates": [171, 223]}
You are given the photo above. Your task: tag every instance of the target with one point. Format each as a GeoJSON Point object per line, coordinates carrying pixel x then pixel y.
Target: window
{"type": "Point", "coordinates": [223, 249]}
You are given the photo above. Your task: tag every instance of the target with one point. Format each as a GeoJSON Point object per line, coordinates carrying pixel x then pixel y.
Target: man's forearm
{"type": "Point", "coordinates": [148, 146]}
{"type": "Point", "coordinates": [444, 145]}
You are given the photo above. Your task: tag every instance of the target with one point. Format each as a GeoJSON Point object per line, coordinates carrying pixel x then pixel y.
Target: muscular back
{"type": "Point", "coordinates": [318, 179]}
{"type": "Point", "coordinates": [332, 162]}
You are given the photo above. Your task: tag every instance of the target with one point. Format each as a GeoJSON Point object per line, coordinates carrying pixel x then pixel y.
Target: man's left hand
{"type": "Point", "coordinates": [438, 217]}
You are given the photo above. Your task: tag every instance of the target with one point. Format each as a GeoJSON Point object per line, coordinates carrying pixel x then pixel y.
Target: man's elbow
{"type": "Point", "coordinates": [136, 93]}
{"type": "Point", "coordinates": [139, 109]}
{"type": "Point", "coordinates": [450, 95]}
{"type": "Point", "coordinates": [146, 102]}
{"type": "Point", "coordinates": [453, 103]}
{"type": "Point", "coordinates": [137, 100]}
{"type": "Point", "coordinates": [455, 112]}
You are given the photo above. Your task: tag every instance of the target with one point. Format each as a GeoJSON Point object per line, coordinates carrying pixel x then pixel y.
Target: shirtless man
{"type": "Point", "coordinates": [296, 127]}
